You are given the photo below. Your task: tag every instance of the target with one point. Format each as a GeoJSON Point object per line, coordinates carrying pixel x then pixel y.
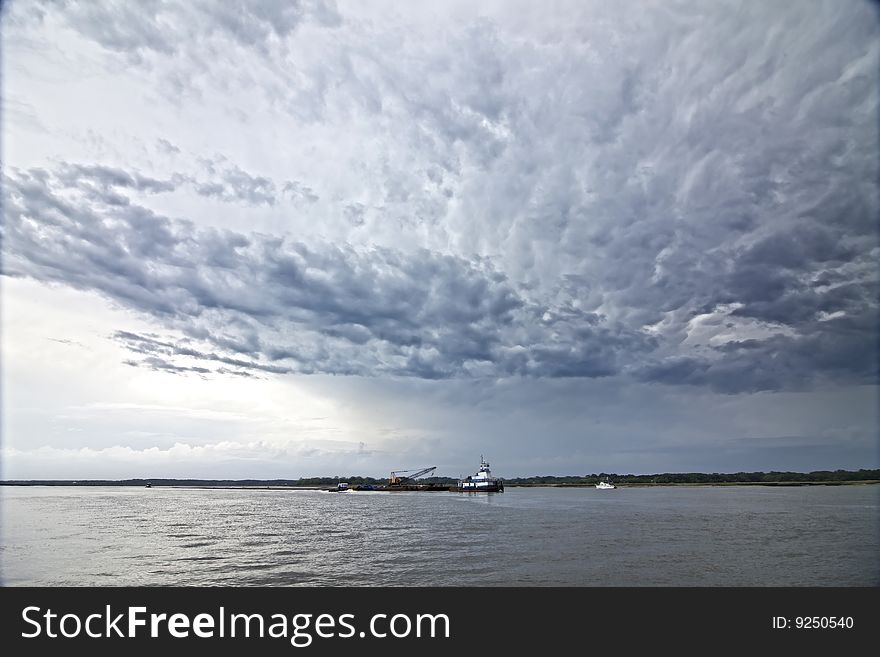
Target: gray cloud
{"type": "Point", "coordinates": [300, 192]}
{"type": "Point", "coordinates": [238, 185]}
{"type": "Point", "coordinates": [167, 147]}
{"type": "Point", "coordinates": [322, 308]}
{"type": "Point", "coordinates": [154, 27]}
{"type": "Point", "coordinates": [292, 307]}
{"type": "Point", "coordinates": [226, 182]}
{"type": "Point", "coordinates": [154, 350]}
{"type": "Point", "coordinates": [105, 178]}
{"type": "Point", "coordinates": [538, 196]}
{"type": "Point", "coordinates": [160, 365]}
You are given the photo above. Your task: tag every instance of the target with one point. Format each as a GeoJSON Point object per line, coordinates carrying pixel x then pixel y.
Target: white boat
{"type": "Point", "coordinates": [482, 482]}
{"type": "Point", "coordinates": [604, 485]}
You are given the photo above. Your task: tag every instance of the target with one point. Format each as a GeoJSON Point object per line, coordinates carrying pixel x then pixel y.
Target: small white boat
{"type": "Point", "coordinates": [604, 485]}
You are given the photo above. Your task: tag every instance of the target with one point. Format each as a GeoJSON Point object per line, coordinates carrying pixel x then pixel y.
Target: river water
{"type": "Point", "coordinates": [663, 536]}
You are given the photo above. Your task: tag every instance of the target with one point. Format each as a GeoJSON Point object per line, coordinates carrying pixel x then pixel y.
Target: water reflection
{"type": "Point", "coordinates": [525, 536]}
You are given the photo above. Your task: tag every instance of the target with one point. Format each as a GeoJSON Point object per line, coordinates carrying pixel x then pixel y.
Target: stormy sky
{"type": "Point", "coordinates": [284, 239]}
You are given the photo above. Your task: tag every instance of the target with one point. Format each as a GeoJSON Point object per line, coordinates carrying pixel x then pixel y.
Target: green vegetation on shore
{"type": "Point", "coordinates": [744, 478]}
{"type": "Point", "coordinates": [818, 476]}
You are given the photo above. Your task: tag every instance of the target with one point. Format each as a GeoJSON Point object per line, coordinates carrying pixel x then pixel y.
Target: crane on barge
{"type": "Point", "coordinates": [400, 478]}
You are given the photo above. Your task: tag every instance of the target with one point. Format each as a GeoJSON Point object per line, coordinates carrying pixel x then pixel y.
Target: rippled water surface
{"type": "Point", "coordinates": [700, 536]}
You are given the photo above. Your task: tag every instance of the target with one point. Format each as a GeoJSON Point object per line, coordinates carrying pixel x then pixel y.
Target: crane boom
{"type": "Point", "coordinates": [422, 472]}
{"type": "Point", "coordinates": [397, 477]}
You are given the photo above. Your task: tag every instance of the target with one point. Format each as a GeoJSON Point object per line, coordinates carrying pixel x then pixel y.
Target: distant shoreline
{"type": "Point", "coordinates": [691, 479]}
{"type": "Point", "coordinates": [256, 487]}
{"type": "Point", "coordinates": [851, 482]}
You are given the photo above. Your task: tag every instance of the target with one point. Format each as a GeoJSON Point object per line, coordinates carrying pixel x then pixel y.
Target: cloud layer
{"type": "Point", "coordinates": [670, 195]}
{"type": "Point", "coordinates": [281, 305]}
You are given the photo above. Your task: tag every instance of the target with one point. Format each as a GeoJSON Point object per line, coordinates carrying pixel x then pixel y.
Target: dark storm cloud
{"type": "Point", "coordinates": [701, 171]}
{"type": "Point", "coordinates": [267, 304]}
{"type": "Point", "coordinates": [308, 308]}
{"type": "Point", "coordinates": [689, 204]}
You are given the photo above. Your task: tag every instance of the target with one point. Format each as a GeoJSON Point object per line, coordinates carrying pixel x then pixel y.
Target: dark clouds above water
{"type": "Point", "coordinates": [258, 303]}
{"type": "Point", "coordinates": [681, 197]}
{"type": "Point", "coordinates": [319, 308]}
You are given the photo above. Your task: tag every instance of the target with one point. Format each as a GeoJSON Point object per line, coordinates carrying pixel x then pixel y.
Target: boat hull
{"type": "Point", "coordinates": [470, 487]}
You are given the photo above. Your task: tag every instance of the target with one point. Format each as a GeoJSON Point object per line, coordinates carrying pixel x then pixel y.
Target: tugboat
{"type": "Point", "coordinates": [482, 482]}
{"type": "Point", "coordinates": [341, 487]}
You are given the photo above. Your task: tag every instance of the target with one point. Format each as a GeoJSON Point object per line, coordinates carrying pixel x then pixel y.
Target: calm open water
{"type": "Point", "coordinates": [701, 536]}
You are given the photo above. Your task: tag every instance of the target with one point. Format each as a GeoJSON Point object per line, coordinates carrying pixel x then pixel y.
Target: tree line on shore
{"type": "Point", "coordinates": [706, 478]}
{"type": "Point", "coordinates": [817, 476]}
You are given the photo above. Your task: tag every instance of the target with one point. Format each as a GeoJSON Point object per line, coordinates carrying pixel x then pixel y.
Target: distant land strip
{"type": "Point", "coordinates": [817, 477]}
